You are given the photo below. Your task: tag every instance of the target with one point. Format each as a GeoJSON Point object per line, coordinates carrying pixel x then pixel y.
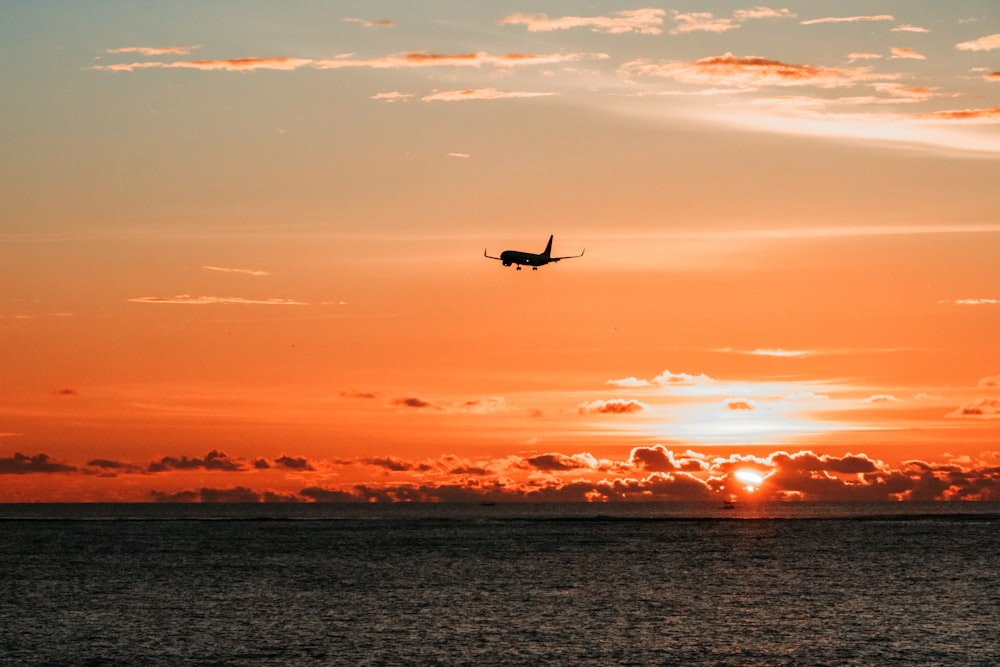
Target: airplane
{"type": "Point", "coordinates": [531, 259]}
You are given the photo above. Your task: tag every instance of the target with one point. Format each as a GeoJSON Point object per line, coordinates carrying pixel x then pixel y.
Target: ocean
{"type": "Point", "coordinates": [506, 584]}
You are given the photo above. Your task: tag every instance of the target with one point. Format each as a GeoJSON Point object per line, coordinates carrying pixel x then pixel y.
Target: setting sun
{"type": "Point", "coordinates": [751, 478]}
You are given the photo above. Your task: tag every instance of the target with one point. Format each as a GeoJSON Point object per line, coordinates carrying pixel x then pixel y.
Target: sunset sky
{"type": "Point", "coordinates": [242, 251]}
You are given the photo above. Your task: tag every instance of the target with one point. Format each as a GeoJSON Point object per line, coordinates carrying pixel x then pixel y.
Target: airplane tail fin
{"type": "Point", "coordinates": [548, 248]}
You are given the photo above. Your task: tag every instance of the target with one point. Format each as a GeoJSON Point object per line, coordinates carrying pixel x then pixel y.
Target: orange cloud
{"type": "Point", "coordinates": [903, 52]}
{"type": "Point", "coordinates": [849, 19]}
{"type": "Point", "coordinates": [984, 408]}
{"type": "Point", "coordinates": [641, 21]}
{"type": "Point", "coordinates": [250, 272]}
{"type": "Point", "coordinates": [987, 43]}
{"type": "Point", "coordinates": [992, 76]}
{"type": "Point", "coordinates": [861, 55]}
{"type": "Point", "coordinates": [479, 94]}
{"type": "Point", "coordinates": [395, 61]}
{"type": "Point", "coordinates": [748, 72]}
{"type": "Point", "coordinates": [973, 115]}
{"type": "Point", "coordinates": [155, 51]}
{"type": "Point", "coordinates": [616, 406]}
{"type": "Point", "coordinates": [187, 299]}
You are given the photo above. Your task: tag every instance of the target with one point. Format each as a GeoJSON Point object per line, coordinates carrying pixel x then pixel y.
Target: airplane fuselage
{"type": "Point", "coordinates": [508, 257]}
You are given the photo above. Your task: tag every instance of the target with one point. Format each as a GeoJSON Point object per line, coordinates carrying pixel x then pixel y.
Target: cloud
{"type": "Point", "coordinates": [984, 408]}
{"type": "Point", "coordinates": [861, 55]}
{"type": "Point", "coordinates": [214, 460]}
{"type": "Point", "coordinates": [660, 459]}
{"type": "Point", "coordinates": [391, 97]}
{"type": "Point", "coordinates": [155, 51]}
{"type": "Point", "coordinates": [987, 43]}
{"type": "Point", "coordinates": [848, 19]}
{"type": "Point", "coordinates": [763, 13]}
{"type": "Point", "coordinates": [989, 382]}
{"type": "Point", "coordinates": [992, 76]}
{"type": "Point", "coordinates": [114, 466]}
{"type": "Point", "coordinates": [701, 22]}
{"type": "Point", "coordinates": [394, 464]}
{"type": "Point", "coordinates": [747, 72]}
{"type": "Point", "coordinates": [479, 94]}
{"type": "Point", "coordinates": [708, 22]}
{"type": "Point", "coordinates": [238, 494]}
{"type": "Point", "coordinates": [187, 299]}
{"type": "Point", "coordinates": [905, 53]}
{"type": "Point", "coordinates": [66, 391]}
{"type": "Point", "coordinates": [966, 115]}
{"type": "Point", "coordinates": [906, 27]}
{"type": "Point", "coordinates": [616, 406]}
{"type": "Point", "coordinates": [629, 383]}
{"type": "Point", "coordinates": [741, 405]}
{"type": "Point", "coordinates": [771, 352]}
{"type": "Point", "coordinates": [411, 402]}
{"type": "Point", "coordinates": [459, 155]}
{"type": "Point", "coordinates": [380, 23]}
{"type": "Point", "coordinates": [359, 394]}
{"type": "Point", "coordinates": [412, 59]}
{"type": "Point", "coordinates": [668, 379]}
{"type": "Point", "coordinates": [881, 398]}
{"type": "Point", "coordinates": [641, 21]}
{"type": "Point", "coordinates": [293, 463]}
{"type": "Point", "coordinates": [250, 272]}
{"type": "Point", "coordinates": [21, 464]}
{"type": "Point", "coordinates": [971, 302]}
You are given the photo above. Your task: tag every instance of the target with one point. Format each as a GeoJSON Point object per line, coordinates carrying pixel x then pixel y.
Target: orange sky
{"type": "Point", "coordinates": [242, 251]}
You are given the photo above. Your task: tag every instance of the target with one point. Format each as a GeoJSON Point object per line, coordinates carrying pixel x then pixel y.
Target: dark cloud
{"type": "Point", "coordinates": [261, 464]}
{"type": "Point", "coordinates": [296, 463]}
{"type": "Point", "coordinates": [214, 460]}
{"type": "Point", "coordinates": [394, 464]}
{"type": "Point", "coordinates": [21, 464]}
{"type": "Point", "coordinates": [808, 461]}
{"type": "Point", "coordinates": [238, 494]}
{"type": "Point", "coordinates": [358, 394]}
{"type": "Point", "coordinates": [321, 495]}
{"type": "Point", "coordinates": [552, 462]}
{"type": "Point", "coordinates": [410, 402]}
{"type": "Point", "coordinates": [65, 392]}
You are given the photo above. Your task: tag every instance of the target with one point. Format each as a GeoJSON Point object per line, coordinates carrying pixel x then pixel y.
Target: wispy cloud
{"type": "Point", "coordinates": [988, 43]}
{"type": "Point", "coordinates": [906, 27]}
{"type": "Point", "coordinates": [187, 299]}
{"type": "Point", "coordinates": [393, 96]}
{"type": "Point", "coordinates": [849, 19]}
{"type": "Point", "coordinates": [479, 94]}
{"type": "Point", "coordinates": [903, 52]}
{"type": "Point", "coordinates": [250, 272]}
{"type": "Point", "coordinates": [972, 302]}
{"type": "Point", "coordinates": [413, 59]}
{"type": "Point", "coordinates": [155, 51]}
{"type": "Point", "coordinates": [707, 22]}
{"type": "Point", "coordinates": [749, 72]}
{"type": "Point", "coordinates": [379, 23]}
{"type": "Point", "coordinates": [642, 21]}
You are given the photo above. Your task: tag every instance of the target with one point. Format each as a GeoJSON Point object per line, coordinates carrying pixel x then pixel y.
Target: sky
{"type": "Point", "coordinates": [241, 251]}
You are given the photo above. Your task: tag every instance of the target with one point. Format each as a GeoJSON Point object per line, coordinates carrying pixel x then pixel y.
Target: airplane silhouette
{"type": "Point", "coordinates": [531, 259]}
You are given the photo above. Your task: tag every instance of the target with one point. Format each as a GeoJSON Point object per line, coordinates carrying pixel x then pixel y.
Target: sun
{"type": "Point", "coordinates": [751, 478]}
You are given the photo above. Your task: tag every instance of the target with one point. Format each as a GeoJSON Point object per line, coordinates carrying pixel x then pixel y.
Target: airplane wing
{"type": "Point", "coordinates": [556, 259]}
{"type": "Point", "coordinates": [489, 256]}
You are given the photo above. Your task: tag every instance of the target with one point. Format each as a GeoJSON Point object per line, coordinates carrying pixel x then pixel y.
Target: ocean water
{"type": "Point", "coordinates": [559, 584]}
